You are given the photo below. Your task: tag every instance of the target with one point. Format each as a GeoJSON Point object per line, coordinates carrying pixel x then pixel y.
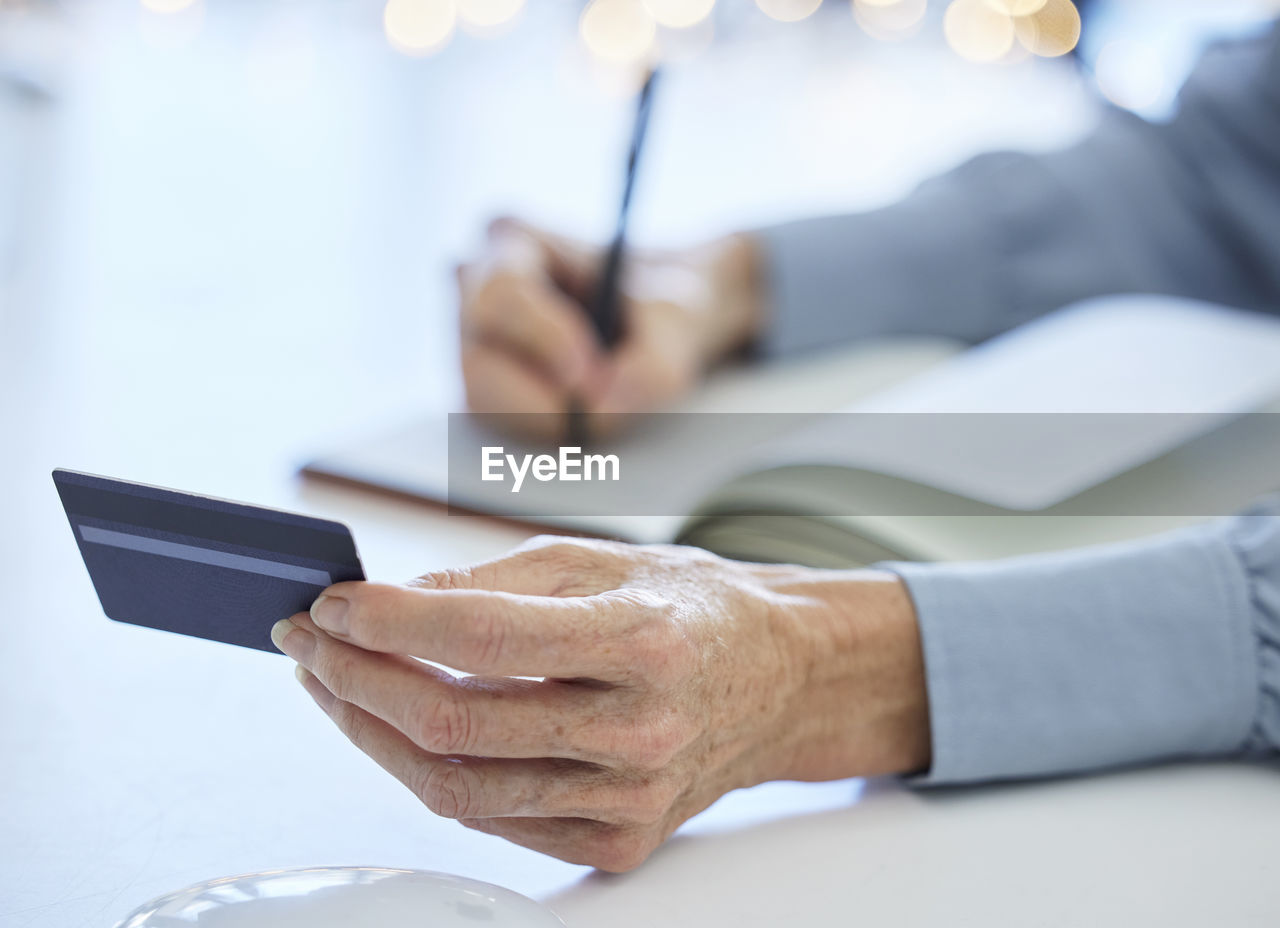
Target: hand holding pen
{"type": "Point", "coordinates": [530, 343]}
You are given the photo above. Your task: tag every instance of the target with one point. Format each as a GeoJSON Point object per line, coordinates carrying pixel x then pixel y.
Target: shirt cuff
{"type": "Point", "coordinates": [1058, 663]}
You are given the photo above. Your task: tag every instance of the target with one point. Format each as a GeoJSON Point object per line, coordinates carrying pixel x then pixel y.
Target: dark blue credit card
{"type": "Point", "coordinates": [201, 566]}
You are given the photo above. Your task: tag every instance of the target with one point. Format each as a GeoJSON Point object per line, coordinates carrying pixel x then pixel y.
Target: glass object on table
{"type": "Point", "coordinates": [342, 897]}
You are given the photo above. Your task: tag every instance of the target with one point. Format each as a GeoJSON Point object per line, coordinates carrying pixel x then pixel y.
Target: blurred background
{"type": "Point", "coordinates": [227, 228]}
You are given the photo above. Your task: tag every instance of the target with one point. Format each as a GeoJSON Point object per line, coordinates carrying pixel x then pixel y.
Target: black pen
{"type": "Point", "coordinates": [605, 309]}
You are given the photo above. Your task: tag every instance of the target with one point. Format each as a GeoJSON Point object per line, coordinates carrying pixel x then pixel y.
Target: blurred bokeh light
{"type": "Point", "coordinates": [789, 11]}
{"type": "Point", "coordinates": [486, 15]}
{"type": "Point", "coordinates": [1051, 31]}
{"type": "Point", "coordinates": [618, 31]}
{"type": "Point", "coordinates": [890, 21]}
{"type": "Point", "coordinates": [1016, 7]}
{"type": "Point", "coordinates": [978, 32]}
{"type": "Point", "coordinates": [419, 27]}
{"type": "Point", "coordinates": [986, 30]}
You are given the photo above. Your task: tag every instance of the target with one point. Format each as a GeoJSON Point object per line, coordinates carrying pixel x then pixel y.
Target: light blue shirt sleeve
{"type": "Point", "coordinates": [1168, 647]}
{"type": "Point", "coordinates": [1119, 654]}
{"type": "Point", "coordinates": [1187, 208]}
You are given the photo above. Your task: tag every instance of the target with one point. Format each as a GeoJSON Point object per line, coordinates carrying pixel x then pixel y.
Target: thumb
{"type": "Point", "coordinates": [571, 263]}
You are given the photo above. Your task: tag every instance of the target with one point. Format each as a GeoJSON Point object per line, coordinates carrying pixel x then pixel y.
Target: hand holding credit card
{"type": "Point", "coordinates": [201, 566]}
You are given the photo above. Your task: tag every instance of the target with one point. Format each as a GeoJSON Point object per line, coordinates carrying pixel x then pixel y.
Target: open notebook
{"type": "Point", "coordinates": [922, 464]}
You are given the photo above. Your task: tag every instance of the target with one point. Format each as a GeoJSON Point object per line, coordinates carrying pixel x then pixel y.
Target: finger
{"type": "Point", "coordinates": [572, 264]}
{"type": "Point", "coordinates": [499, 382]}
{"type": "Point", "coordinates": [541, 565]}
{"type": "Point", "coordinates": [475, 716]}
{"type": "Point", "coordinates": [390, 749]}
{"type": "Point", "coordinates": [606, 846]}
{"type": "Point", "coordinates": [536, 322]}
{"type": "Point", "coordinates": [486, 632]}
{"type": "Point", "coordinates": [481, 787]}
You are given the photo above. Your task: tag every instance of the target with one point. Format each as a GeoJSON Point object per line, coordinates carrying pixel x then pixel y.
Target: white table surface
{"type": "Point", "coordinates": [231, 251]}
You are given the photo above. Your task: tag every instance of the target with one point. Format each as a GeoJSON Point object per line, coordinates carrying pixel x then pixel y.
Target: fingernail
{"type": "Point", "coordinates": [330, 613]}
{"type": "Point", "coordinates": [279, 630]}
{"type": "Point", "coordinates": [302, 646]}
{"type": "Point", "coordinates": [315, 689]}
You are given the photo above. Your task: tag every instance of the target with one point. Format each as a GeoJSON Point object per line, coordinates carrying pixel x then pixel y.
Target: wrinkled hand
{"type": "Point", "coordinates": [529, 347]}
{"type": "Point", "coordinates": [669, 677]}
